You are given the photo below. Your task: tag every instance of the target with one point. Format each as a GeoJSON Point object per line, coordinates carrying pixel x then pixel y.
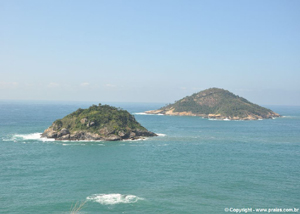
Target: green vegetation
{"type": "Point", "coordinates": [218, 101]}
{"type": "Point", "coordinates": [96, 117]}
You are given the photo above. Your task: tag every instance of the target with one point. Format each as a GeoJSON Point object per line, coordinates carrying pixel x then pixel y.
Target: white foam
{"type": "Point", "coordinates": [226, 119]}
{"type": "Point", "coordinates": [135, 140]}
{"type": "Point", "coordinates": [161, 135]}
{"type": "Point", "coordinates": [78, 141]}
{"type": "Point", "coordinates": [73, 144]}
{"type": "Point", "coordinates": [115, 198]}
{"type": "Point", "coordinates": [32, 136]}
{"type": "Point", "coordinates": [143, 113]}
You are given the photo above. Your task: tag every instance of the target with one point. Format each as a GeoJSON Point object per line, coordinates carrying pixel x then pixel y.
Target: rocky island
{"type": "Point", "coordinates": [102, 122]}
{"type": "Point", "coordinates": [216, 103]}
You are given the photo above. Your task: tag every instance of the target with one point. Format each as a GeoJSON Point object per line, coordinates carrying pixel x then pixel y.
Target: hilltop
{"type": "Point", "coordinates": [217, 104]}
{"type": "Point", "coordinates": [102, 122]}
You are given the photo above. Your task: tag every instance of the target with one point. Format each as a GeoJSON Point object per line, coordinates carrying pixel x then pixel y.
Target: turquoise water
{"type": "Point", "coordinates": [195, 165]}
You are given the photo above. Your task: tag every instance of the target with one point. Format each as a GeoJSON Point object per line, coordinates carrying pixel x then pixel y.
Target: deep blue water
{"type": "Point", "coordinates": [195, 165]}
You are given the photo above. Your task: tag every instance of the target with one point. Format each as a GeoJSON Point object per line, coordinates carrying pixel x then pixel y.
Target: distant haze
{"type": "Point", "coordinates": [149, 51]}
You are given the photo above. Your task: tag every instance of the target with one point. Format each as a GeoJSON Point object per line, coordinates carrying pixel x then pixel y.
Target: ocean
{"type": "Point", "coordinates": [195, 165]}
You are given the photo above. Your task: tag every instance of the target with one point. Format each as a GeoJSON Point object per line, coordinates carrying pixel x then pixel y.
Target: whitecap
{"type": "Point", "coordinates": [143, 113]}
{"type": "Point", "coordinates": [73, 144]}
{"type": "Point", "coordinates": [115, 198]}
{"type": "Point", "coordinates": [161, 135]}
{"type": "Point", "coordinates": [135, 140]}
{"type": "Point", "coordinates": [31, 136]}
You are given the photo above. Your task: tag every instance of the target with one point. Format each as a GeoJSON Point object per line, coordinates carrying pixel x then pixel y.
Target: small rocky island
{"type": "Point", "coordinates": [102, 122]}
{"type": "Point", "coordinates": [216, 103]}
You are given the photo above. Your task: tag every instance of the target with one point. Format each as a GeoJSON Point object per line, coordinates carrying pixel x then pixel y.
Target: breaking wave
{"type": "Point", "coordinates": [140, 113]}
{"type": "Point", "coordinates": [32, 136]}
{"type": "Point", "coordinates": [111, 199]}
{"type": "Point", "coordinates": [143, 113]}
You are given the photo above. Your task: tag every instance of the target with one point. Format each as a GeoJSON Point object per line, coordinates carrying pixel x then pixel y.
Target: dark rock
{"type": "Point", "coordinates": [63, 132]}
{"type": "Point", "coordinates": [113, 138]}
{"type": "Point", "coordinates": [101, 122]}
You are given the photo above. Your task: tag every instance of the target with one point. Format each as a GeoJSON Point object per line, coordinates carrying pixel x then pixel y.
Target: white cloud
{"type": "Point", "coordinates": [110, 85]}
{"type": "Point", "coordinates": [8, 85]}
{"type": "Point", "coordinates": [53, 85]}
{"type": "Point", "coordinates": [84, 84]}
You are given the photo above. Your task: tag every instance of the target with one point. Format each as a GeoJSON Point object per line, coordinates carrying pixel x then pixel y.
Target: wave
{"type": "Point", "coordinates": [115, 198]}
{"type": "Point", "coordinates": [37, 137]}
{"type": "Point", "coordinates": [135, 140]}
{"type": "Point", "coordinates": [226, 119]}
{"type": "Point", "coordinates": [161, 135]}
{"type": "Point", "coordinates": [32, 136]}
{"type": "Point", "coordinates": [288, 116]}
{"type": "Point", "coordinates": [143, 113]}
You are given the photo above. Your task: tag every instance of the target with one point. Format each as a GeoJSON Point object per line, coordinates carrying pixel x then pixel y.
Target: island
{"type": "Point", "coordinates": [98, 122]}
{"type": "Point", "coordinates": [216, 103]}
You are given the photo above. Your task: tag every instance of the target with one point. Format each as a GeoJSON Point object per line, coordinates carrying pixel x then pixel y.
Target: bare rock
{"type": "Point", "coordinates": [83, 120]}
{"type": "Point", "coordinates": [63, 132]}
{"type": "Point", "coordinates": [112, 137]}
{"type": "Point", "coordinates": [65, 137]}
{"type": "Point", "coordinates": [106, 131]}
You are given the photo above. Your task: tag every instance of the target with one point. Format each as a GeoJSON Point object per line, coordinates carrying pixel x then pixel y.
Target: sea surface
{"type": "Point", "coordinates": [195, 165]}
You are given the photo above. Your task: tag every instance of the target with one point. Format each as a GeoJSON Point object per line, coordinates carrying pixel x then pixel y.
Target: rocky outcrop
{"type": "Point", "coordinates": [86, 135]}
{"type": "Point", "coordinates": [103, 123]}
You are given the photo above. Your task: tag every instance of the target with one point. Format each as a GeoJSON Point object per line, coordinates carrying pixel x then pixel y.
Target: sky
{"type": "Point", "coordinates": [148, 50]}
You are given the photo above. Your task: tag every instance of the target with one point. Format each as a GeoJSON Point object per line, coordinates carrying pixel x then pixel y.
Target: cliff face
{"type": "Point", "coordinates": [100, 122]}
{"type": "Point", "coordinates": [216, 103]}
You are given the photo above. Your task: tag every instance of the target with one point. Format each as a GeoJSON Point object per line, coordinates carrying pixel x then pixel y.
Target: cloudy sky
{"type": "Point", "coordinates": [149, 51]}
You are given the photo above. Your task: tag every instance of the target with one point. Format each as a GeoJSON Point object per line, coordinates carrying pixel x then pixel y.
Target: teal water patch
{"type": "Point", "coordinates": [194, 166]}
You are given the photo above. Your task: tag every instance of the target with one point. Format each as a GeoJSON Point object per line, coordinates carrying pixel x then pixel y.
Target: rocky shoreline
{"type": "Point", "coordinates": [65, 134]}
{"type": "Point", "coordinates": [102, 122]}
{"type": "Point", "coordinates": [213, 116]}
{"type": "Point", "coordinates": [216, 103]}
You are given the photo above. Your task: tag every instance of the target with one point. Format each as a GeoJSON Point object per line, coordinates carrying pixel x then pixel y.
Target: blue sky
{"type": "Point", "coordinates": [149, 51]}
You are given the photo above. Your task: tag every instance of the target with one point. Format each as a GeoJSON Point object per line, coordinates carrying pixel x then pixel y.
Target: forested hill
{"type": "Point", "coordinates": [98, 122]}
{"type": "Point", "coordinates": [218, 104]}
